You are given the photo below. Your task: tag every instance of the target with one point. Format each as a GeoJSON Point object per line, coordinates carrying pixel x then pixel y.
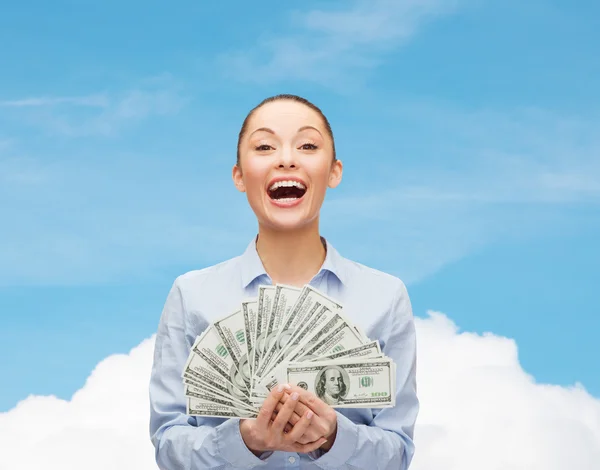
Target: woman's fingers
{"type": "Point", "coordinates": [268, 407]}
{"type": "Point", "coordinates": [285, 413]}
{"type": "Point", "coordinates": [306, 448]}
{"type": "Point", "coordinates": [301, 408]}
{"type": "Point", "coordinates": [300, 428]}
{"type": "Point", "coordinates": [311, 401]}
{"type": "Point", "coordinates": [295, 416]}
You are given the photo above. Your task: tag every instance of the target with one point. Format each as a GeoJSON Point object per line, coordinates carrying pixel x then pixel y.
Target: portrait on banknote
{"type": "Point", "coordinates": [331, 386]}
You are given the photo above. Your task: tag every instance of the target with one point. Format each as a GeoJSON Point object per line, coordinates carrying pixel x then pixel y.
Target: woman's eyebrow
{"type": "Point", "coordinates": [303, 128]}
{"type": "Point", "coordinates": [265, 129]}
{"type": "Point", "coordinates": [271, 131]}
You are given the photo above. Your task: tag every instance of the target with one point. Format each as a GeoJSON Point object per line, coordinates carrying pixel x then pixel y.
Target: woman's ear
{"type": "Point", "coordinates": [236, 174]}
{"type": "Point", "coordinates": [335, 174]}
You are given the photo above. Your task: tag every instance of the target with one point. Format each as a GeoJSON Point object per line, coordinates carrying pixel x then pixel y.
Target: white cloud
{"type": "Point", "coordinates": [103, 426]}
{"type": "Point", "coordinates": [97, 101]}
{"type": "Point", "coordinates": [479, 409]}
{"type": "Point", "coordinates": [327, 44]}
{"type": "Point", "coordinates": [103, 114]}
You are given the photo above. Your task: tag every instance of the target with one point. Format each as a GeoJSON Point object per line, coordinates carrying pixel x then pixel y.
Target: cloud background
{"type": "Point", "coordinates": [480, 409]}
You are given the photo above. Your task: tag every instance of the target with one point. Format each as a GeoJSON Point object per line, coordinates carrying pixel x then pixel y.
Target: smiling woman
{"type": "Point", "coordinates": [286, 162]}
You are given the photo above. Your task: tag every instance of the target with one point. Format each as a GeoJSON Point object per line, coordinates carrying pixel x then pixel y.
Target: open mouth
{"type": "Point", "coordinates": [286, 191]}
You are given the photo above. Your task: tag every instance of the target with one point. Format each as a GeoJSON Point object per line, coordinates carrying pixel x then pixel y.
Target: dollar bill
{"type": "Point", "coordinates": [308, 303]}
{"type": "Point", "coordinates": [240, 402]}
{"type": "Point", "coordinates": [284, 300]}
{"type": "Point", "coordinates": [315, 327]}
{"type": "Point", "coordinates": [198, 407]}
{"type": "Point", "coordinates": [371, 349]}
{"type": "Point", "coordinates": [342, 337]}
{"type": "Point", "coordinates": [198, 370]}
{"type": "Point", "coordinates": [289, 353]}
{"type": "Point", "coordinates": [211, 348]}
{"type": "Point", "coordinates": [362, 334]}
{"type": "Point", "coordinates": [232, 331]}
{"type": "Point", "coordinates": [206, 395]}
{"type": "Point", "coordinates": [365, 383]}
{"type": "Point", "coordinates": [249, 311]}
{"type": "Point", "coordinates": [266, 295]}
{"type": "Point", "coordinates": [283, 343]}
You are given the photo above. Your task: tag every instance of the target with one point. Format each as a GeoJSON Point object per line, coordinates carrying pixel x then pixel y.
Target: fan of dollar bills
{"type": "Point", "coordinates": [289, 335]}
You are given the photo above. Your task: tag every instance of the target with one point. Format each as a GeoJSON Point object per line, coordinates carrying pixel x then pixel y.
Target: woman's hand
{"type": "Point", "coordinates": [323, 423]}
{"type": "Point", "coordinates": [262, 434]}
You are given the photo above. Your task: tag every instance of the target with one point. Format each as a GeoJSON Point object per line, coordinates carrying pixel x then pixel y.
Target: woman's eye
{"type": "Point", "coordinates": [263, 148]}
{"type": "Point", "coordinates": [308, 147]}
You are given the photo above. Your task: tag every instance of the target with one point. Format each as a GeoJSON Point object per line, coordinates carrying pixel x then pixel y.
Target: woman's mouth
{"type": "Point", "coordinates": [286, 193]}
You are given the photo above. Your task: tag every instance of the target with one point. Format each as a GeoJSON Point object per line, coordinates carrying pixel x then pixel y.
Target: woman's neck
{"type": "Point", "coordinates": [291, 258]}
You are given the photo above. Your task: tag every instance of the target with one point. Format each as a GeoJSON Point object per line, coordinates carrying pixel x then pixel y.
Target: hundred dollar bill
{"type": "Point", "coordinates": [249, 310]}
{"type": "Point", "coordinates": [198, 370]}
{"type": "Point", "coordinates": [265, 303]}
{"type": "Point", "coordinates": [314, 322]}
{"type": "Point", "coordinates": [362, 334]}
{"type": "Point", "coordinates": [205, 395]}
{"type": "Point", "coordinates": [290, 353]}
{"type": "Point", "coordinates": [233, 332]}
{"type": "Point", "coordinates": [283, 343]}
{"type": "Point", "coordinates": [336, 335]}
{"type": "Point", "coordinates": [258, 392]}
{"type": "Point", "coordinates": [284, 299]}
{"type": "Point", "coordinates": [365, 383]}
{"type": "Point", "coordinates": [343, 337]}
{"type": "Point", "coordinates": [210, 347]}
{"type": "Point", "coordinates": [370, 350]}
{"type": "Point", "coordinates": [315, 328]}
{"type": "Point", "coordinates": [223, 393]}
{"type": "Point", "coordinates": [307, 304]}
{"type": "Point", "coordinates": [198, 407]}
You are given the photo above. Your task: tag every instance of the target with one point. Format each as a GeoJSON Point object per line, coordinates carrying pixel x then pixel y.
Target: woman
{"type": "Point", "coordinates": [285, 139]}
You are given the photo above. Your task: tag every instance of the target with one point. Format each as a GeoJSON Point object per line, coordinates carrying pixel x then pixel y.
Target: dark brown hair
{"type": "Point", "coordinates": [283, 97]}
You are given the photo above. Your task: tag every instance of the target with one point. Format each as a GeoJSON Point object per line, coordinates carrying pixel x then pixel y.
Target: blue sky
{"type": "Point", "coordinates": [469, 131]}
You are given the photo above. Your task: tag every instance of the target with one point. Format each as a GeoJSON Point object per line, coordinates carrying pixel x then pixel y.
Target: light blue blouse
{"type": "Point", "coordinates": [370, 439]}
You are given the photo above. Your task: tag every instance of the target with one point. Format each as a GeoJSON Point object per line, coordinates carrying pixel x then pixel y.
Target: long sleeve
{"type": "Point", "coordinates": [387, 441]}
{"type": "Point", "coordinates": [183, 442]}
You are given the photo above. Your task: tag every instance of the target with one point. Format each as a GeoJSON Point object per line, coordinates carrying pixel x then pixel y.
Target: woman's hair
{"type": "Point", "coordinates": [283, 97]}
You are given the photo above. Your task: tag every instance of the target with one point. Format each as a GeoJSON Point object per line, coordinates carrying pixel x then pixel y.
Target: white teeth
{"type": "Point", "coordinates": [287, 183]}
{"type": "Point", "coordinates": [287, 199]}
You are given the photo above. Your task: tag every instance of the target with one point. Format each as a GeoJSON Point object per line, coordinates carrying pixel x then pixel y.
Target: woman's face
{"type": "Point", "coordinates": [286, 159]}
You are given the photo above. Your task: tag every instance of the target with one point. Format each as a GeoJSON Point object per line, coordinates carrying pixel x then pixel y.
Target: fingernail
{"type": "Point", "coordinates": [288, 386]}
{"type": "Point", "coordinates": [295, 396]}
{"type": "Point", "coordinates": [309, 414]}
{"type": "Point", "coordinates": [280, 388]}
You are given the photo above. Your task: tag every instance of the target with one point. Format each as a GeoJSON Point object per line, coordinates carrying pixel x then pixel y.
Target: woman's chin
{"type": "Point", "coordinates": [289, 222]}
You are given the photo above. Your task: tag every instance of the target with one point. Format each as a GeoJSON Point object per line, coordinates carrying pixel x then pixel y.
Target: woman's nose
{"type": "Point", "coordinates": [287, 158]}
